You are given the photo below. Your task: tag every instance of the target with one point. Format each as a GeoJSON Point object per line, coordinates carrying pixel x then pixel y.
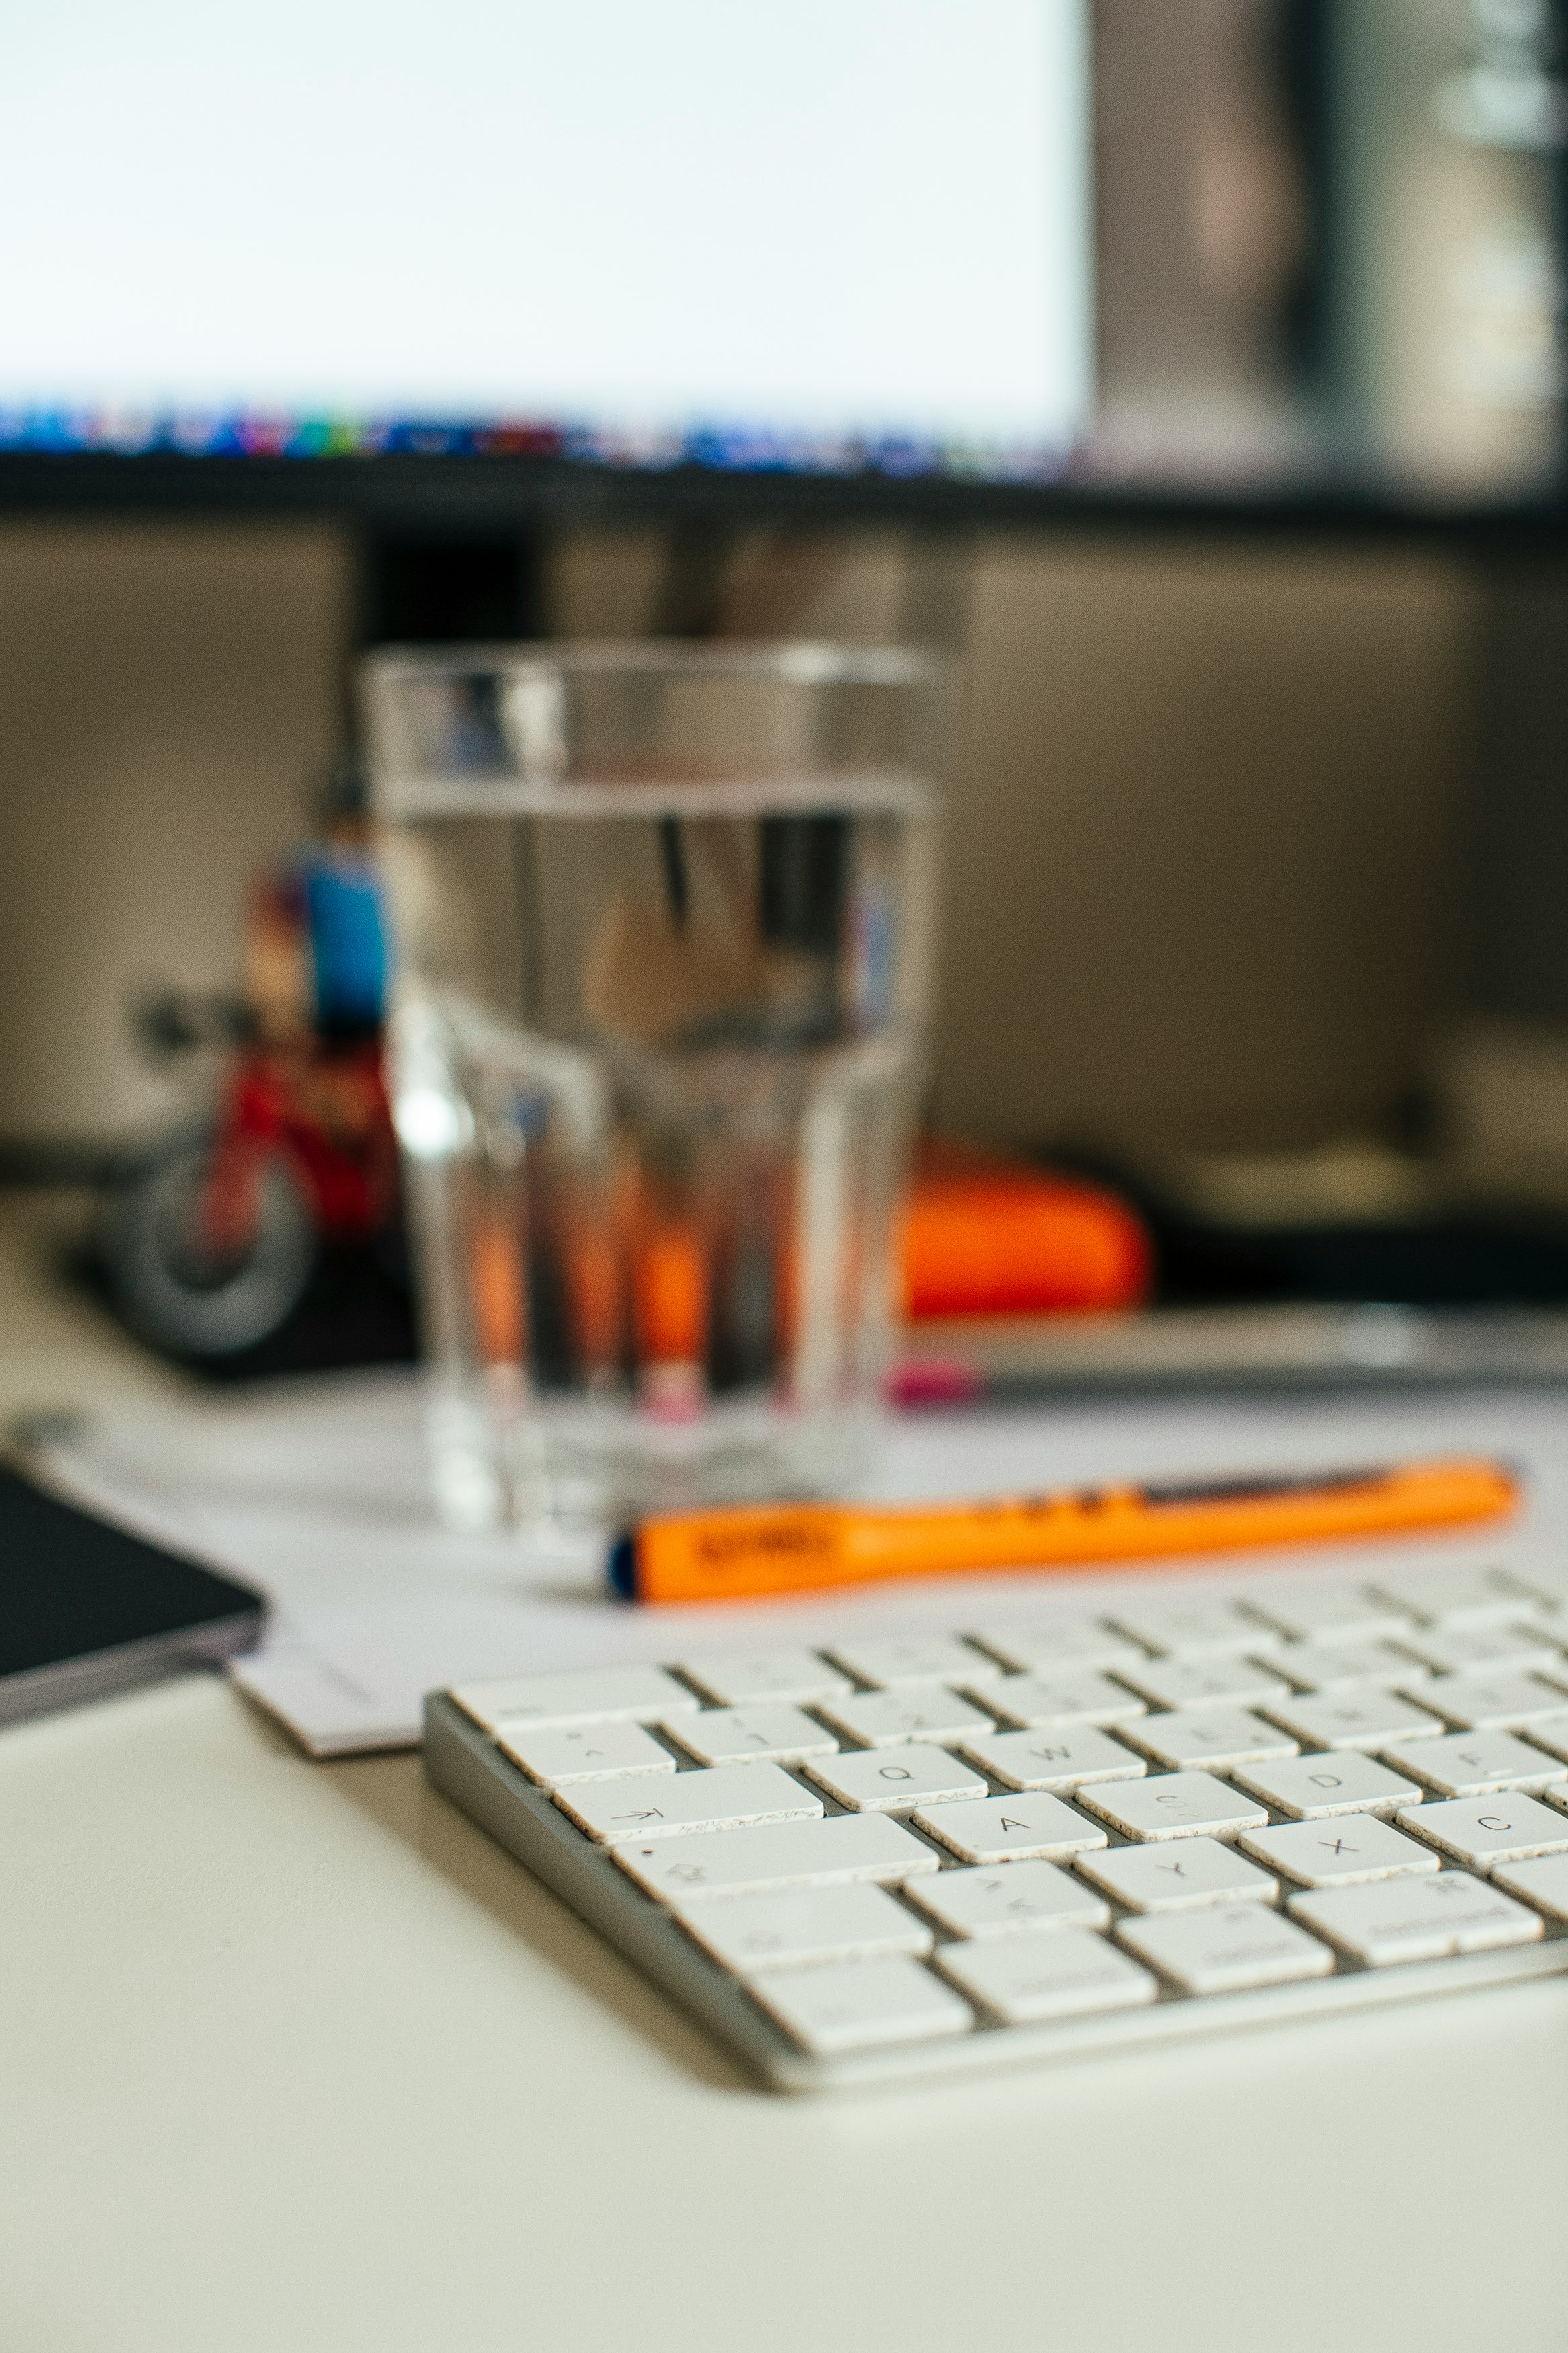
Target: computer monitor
{"type": "Point", "coordinates": [915, 259]}
{"type": "Point", "coordinates": [814, 238]}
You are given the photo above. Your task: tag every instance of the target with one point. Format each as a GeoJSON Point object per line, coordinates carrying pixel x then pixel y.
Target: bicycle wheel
{"type": "Point", "coordinates": [187, 1290]}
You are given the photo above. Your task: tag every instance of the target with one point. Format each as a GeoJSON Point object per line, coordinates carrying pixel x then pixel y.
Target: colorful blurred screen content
{"type": "Point", "coordinates": [818, 235]}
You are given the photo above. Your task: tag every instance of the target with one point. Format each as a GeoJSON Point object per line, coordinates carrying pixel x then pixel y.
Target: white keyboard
{"type": "Point", "coordinates": [906, 1856]}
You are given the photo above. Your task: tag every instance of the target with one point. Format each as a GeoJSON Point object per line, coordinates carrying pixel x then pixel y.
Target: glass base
{"type": "Point", "coordinates": [572, 1464]}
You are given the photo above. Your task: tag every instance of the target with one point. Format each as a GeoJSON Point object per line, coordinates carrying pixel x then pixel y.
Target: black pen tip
{"type": "Point", "coordinates": [621, 1568]}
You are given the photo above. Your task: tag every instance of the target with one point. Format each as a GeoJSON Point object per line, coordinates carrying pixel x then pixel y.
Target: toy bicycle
{"type": "Point", "coordinates": [211, 1235]}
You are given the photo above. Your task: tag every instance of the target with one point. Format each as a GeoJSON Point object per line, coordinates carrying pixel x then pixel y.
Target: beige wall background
{"type": "Point", "coordinates": [1205, 872]}
{"type": "Point", "coordinates": [166, 695]}
{"type": "Point", "coordinates": [1203, 858]}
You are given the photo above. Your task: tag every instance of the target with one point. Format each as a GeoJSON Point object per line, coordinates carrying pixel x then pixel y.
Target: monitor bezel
{"type": "Point", "coordinates": [486, 497]}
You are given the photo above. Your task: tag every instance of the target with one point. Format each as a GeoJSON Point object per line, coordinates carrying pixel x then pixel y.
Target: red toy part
{"type": "Point", "coordinates": [986, 1237]}
{"type": "Point", "coordinates": [326, 1113]}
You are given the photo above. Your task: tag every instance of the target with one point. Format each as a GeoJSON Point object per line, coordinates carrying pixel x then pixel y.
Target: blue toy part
{"type": "Point", "coordinates": [348, 940]}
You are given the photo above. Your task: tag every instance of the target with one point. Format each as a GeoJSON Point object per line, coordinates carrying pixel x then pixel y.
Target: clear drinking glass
{"type": "Point", "coordinates": [663, 919]}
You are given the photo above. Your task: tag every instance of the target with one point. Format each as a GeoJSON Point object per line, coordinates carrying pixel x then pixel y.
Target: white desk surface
{"type": "Point", "coordinates": [292, 2057]}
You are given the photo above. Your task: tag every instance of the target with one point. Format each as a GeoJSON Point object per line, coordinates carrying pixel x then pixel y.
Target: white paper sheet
{"type": "Point", "coordinates": [317, 1494]}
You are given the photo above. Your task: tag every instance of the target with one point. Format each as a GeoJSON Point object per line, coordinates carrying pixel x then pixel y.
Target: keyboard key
{"type": "Point", "coordinates": [1084, 1697]}
{"type": "Point", "coordinates": [882, 1719]}
{"type": "Point", "coordinates": [1460, 1649]}
{"type": "Point", "coordinates": [1226, 1948]}
{"type": "Point", "coordinates": [1327, 1609]}
{"type": "Point", "coordinates": [826, 1853]}
{"type": "Point", "coordinates": [1173, 1805]}
{"type": "Point", "coordinates": [1057, 1650]}
{"type": "Point", "coordinates": [1339, 1666]}
{"type": "Point", "coordinates": [1021, 1980]}
{"type": "Point", "coordinates": [917, 1659]}
{"type": "Point", "coordinates": [1543, 1884]}
{"type": "Point", "coordinates": [1544, 1586]}
{"type": "Point", "coordinates": [991, 1829]}
{"type": "Point", "coordinates": [1481, 1831]}
{"type": "Point", "coordinates": [1314, 1788]}
{"type": "Point", "coordinates": [855, 2005]}
{"type": "Point", "coordinates": [733, 1678]}
{"type": "Point", "coordinates": [1176, 1873]}
{"type": "Point", "coordinates": [1455, 1597]}
{"type": "Point", "coordinates": [1201, 1682]}
{"type": "Point", "coordinates": [1486, 1703]}
{"type": "Point", "coordinates": [1063, 1757]}
{"type": "Point", "coordinates": [1220, 1737]}
{"type": "Point", "coordinates": [1338, 1853]}
{"type": "Point", "coordinates": [1362, 1718]}
{"type": "Point", "coordinates": [1550, 1732]}
{"type": "Point", "coordinates": [896, 1780]}
{"type": "Point", "coordinates": [554, 1754]}
{"type": "Point", "coordinates": [729, 1795]}
{"type": "Point", "coordinates": [1019, 1896]}
{"type": "Point", "coordinates": [1195, 1629]}
{"type": "Point", "coordinates": [751, 1933]}
{"type": "Point", "coordinates": [1473, 1764]}
{"type": "Point", "coordinates": [1417, 1919]}
{"type": "Point", "coordinates": [596, 1695]}
{"type": "Point", "coordinates": [772, 1734]}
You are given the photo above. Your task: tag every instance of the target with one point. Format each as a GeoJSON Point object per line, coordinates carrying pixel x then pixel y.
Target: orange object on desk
{"type": "Point", "coordinates": [670, 1294]}
{"type": "Point", "coordinates": [984, 1236]}
{"type": "Point", "coordinates": [746, 1550]}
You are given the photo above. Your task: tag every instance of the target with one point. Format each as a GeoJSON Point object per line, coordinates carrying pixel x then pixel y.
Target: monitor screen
{"type": "Point", "coordinates": [820, 234]}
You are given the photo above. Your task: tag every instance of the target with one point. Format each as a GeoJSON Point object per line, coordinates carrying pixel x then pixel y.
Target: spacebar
{"type": "Point", "coordinates": [776, 1855]}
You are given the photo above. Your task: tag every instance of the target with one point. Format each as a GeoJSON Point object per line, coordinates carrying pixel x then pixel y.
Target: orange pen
{"type": "Point", "coordinates": [764, 1548]}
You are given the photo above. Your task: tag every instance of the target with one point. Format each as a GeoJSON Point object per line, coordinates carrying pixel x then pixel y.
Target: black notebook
{"type": "Point", "coordinates": [86, 1608]}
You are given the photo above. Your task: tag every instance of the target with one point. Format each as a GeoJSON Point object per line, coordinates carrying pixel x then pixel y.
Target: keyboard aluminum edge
{"type": "Point", "coordinates": [465, 1765]}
